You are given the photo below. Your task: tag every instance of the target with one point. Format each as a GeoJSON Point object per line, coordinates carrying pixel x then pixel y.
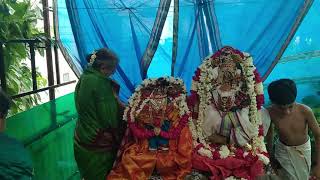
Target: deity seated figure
{"type": "Point", "coordinates": [161, 141]}
{"type": "Point", "coordinates": [226, 99]}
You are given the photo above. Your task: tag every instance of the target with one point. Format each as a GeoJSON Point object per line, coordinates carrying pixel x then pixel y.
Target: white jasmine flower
{"type": "Point", "coordinates": [224, 151]}
{"type": "Point", "coordinates": [264, 159]}
{"type": "Point", "coordinates": [205, 152]}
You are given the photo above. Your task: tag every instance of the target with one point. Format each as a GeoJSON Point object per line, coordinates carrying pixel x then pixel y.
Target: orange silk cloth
{"type": "Point", "coordinates": [138, 163]}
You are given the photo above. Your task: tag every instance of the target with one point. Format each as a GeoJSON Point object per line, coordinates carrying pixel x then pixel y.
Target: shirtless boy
{"type": "Point", "coordinates": [291, 120]}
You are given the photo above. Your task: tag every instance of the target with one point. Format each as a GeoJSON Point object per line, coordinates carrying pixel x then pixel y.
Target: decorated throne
{"type": "Point", "coordinates": [158, 140]}
{"type": "Point", "coordinates": [226, 101]}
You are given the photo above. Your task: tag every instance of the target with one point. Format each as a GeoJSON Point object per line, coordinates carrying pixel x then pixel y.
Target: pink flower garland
{"type": "Point", "coordinates": [196, 77]}
{"type": "Point", "coordinates": [261, 130]}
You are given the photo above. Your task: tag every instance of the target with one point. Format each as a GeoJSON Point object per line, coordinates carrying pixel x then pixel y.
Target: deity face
{"type": "Point", "coordinates": [227, 65]}
{"type": "Point", "coordinates": [146, 92]}
{"type": "Point", "coordinates": [229, 80]}
{"type": "Point", "coordinates": [226, 79]}
{"type": "Point", "coordinates": [173, 90]}
{"type": "Point", "coordinates": [159, 92]}
{"type": "Point", "coordinates": [229, 75]}
{"type": "Point", "coordinates": [155, 104]}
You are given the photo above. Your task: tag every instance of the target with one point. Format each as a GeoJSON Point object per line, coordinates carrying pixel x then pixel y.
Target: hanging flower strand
{"type": "Point", "coordinates": [93, 57]}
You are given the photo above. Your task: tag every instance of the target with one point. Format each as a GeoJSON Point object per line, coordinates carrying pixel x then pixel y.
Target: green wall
{"type": "Point", "coordinates": [47, 132]}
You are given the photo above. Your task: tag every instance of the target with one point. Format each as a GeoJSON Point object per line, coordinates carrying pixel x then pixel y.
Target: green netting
{"type": "Point", "coordinates": [47, 132]}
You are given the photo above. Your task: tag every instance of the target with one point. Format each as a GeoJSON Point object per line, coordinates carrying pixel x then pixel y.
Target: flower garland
{"type": "Point", "coordinates": [201, 89]}
{"type": "Point", "coordinates": [137, 103]}
{"type": "Point", "coordinates": [93, 57]}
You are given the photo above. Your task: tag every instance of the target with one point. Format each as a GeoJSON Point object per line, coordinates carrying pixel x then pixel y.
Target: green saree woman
{"type": "Point", "coordinates": [97, 133]}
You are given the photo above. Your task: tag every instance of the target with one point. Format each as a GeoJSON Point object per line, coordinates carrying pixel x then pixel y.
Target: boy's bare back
{"type": "Point", "coordinates": [292, 127]}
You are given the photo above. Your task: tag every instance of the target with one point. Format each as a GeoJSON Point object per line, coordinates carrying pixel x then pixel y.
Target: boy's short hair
{"type": "Point", "coordinates": [5, 103]}
{"type": "Point", "coordinates": [282, 91]}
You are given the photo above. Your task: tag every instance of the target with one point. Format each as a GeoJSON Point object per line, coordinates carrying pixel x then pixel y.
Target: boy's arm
{"type": "Point", "coordinates": [314, 126]}
{"type": "Point", "coordinates": [269, 140]}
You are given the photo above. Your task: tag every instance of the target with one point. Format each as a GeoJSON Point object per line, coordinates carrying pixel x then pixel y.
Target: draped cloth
{"type": "Point", "coordinates": [248, 167]}
{"type": "Point", "coordinates": [97, 132]}
{"type": "Point", "coordinates": [234, 125]}
{"type": "Point", "coordinates": [138, 163]}
{"type": "Point", "coordinates": [295, 161]}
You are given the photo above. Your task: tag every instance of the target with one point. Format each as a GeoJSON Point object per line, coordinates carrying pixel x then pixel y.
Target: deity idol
{"type": "Point", "coordinates": [157, 118]}
{"type": "Point", "coordinates": [226, 99]}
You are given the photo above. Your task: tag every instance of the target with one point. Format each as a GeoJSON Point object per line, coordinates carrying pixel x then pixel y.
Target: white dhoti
{"type": "Point", "coordinates": [294, 160]}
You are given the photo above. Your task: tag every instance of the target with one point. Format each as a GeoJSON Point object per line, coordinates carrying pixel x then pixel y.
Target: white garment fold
{"type": "Point", "coordinates": [240, 135]}
{"type": "Point", "coordinates": [294, 160]}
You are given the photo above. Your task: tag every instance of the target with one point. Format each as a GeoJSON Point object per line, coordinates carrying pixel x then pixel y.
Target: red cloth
{"type": "Point", "coordinates": [248, 168]}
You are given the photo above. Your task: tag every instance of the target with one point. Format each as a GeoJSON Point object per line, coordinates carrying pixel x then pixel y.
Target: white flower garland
{"type": "Point", "coordinates": [93, 57]}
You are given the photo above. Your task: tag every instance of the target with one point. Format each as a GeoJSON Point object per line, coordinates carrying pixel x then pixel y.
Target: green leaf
{"type": "Point", "coordinates": [18, 21]}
